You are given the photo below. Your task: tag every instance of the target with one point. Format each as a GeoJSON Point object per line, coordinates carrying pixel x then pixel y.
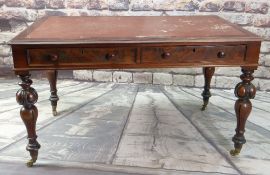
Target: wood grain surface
{"type": "Point", "coordinates": [157, 130]}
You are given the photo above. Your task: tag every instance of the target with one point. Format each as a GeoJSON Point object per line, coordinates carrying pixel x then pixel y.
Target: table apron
{"type": "Point", "coordinates": [37, 57]}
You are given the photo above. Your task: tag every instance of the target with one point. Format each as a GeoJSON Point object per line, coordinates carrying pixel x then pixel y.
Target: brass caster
{"type": "Point", "coordinates": [30, 163]}
{"type": "Point", "coordinates": [203, 107]}
{"type": "Point", "coordinates": [235, 152]}
{"type": "Point", "coordinates": [54, 113]}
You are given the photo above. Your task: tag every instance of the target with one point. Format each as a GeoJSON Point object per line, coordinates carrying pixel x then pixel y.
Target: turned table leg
{"type": "Point", "coordinates": [52, 78]}
{"type": "Point", "coordinates": [244, 91]}
{"type": "Point", "coordinates": [208, 72]}
{"type": "Point", "coordinates": [27, 97]}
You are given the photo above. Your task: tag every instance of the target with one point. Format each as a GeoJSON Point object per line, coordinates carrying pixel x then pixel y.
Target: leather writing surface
{"type": "Point", "coordinates": [133, 28]}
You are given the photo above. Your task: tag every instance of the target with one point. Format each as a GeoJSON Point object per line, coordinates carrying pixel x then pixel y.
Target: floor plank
{"type": "Point", "coordinates": [13, 169]}
{"type": "Point", "coordinates": [217, 126]}
{"type": "Point", "coordinates": [156, 136]}
{"type": "Point", "coordinates": [95, 129]}
{"type": "Point", "coordinates": [257, 116]}
{"type": "Point", "coordinates": [43, 94]}
{"type": "Point", "coordinates": [68, 103]}
{"type": "Point", "coordinates": [107, 128]}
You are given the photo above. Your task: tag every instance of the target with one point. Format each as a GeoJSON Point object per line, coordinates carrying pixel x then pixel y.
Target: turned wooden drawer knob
{"type": "Point", "coordinates": [221, 54]}
{"type": "Point", "coordinates": [110, 56]}
{"type": "Point", "coordinates": [53, 57]}
{"type": "Point", "coordinates": [166, 55]}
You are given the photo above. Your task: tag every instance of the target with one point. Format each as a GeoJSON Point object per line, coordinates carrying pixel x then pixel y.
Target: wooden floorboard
{"type": "Point", "coordinates": [21, 169]}
{"type": "Point", "coordinates": [70, 102]}
{"type": "Point", "coordinates": [154, 124]}
{"type": "Point", "coordinates": [258, 116]}
{"type": "Point", "coordinates": [126, 129]}
{"type": "Point", "coordinates": [217, 125]}
{"type": "Point", "coordinates": [90, 134]}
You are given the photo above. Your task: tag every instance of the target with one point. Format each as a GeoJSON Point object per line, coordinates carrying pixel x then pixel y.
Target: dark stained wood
{"type": "Point", "coordinates": [208, 72]}
{"type": "Point", "coordinates": [83, 56]}
{"type": "Point", "coordinates": [27, 97]}
{"type": "Point", "coordinates": [193, 54]}
{"type": "Point", "coordinates": [244, 91]}
{"type": "Point", "coordinates": [129, 59]}
{"type": "Point", "coordinates": [52, 78]}
{"type": "Point", "coordinates": [59, 43]}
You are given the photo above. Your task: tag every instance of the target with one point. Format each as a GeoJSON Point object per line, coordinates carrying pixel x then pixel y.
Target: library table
{"type": "Point", "coordinates": [59, 43]}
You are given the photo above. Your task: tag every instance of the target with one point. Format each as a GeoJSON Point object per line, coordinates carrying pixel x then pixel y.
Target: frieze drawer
{"type": "Point", "coordinates": [91, 56]}
{"type": "Point", "coordinates": [193, 54]}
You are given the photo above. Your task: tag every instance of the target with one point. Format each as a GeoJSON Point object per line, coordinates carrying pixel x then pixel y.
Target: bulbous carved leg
{"type": "Point", "coordinates": [27, 97]}
{"type": "Point", "coordinates": [244, 90]}
{"type": "Point", "coordinates": [208, 73]}
{"type": "Point", "coordinates": [52, 77]}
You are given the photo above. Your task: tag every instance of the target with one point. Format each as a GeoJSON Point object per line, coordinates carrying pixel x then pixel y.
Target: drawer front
{"type": "Point", "coordinates": [81, 56]}
{"type": "Point", "coordinates": [193, 54]}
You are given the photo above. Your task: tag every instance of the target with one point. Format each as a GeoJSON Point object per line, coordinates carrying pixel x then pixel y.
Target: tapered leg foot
{"type": "Point", "coordinates": [33, 147]}
{"type": "Point", "coordinates": [244, 91]}
{"type": "Point", "coordinates": [237, 149]}
{"type": "Point", "coordinates": [206, 97]}
{"type": "Point", "coordinates": [52, 78]}
{"type": "Point", "coordinates": [54, 110]}
{"type": "Point", "coordinates": [208, 73]}
{"type": "Point", "coordinates": [34, 156]}
{"type": "Point", "coordinates": [238, 143]}
{"type": "Point", "coordinates": [27, 97]}
{"type": "Point", "coordinates": [30, 163]}
{"type": "Point", "coordinates": [235, 152]}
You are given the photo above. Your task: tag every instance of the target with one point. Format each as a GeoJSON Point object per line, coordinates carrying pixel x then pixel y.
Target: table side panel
{"type": "Point", "coordinates": [253, 52]}
{"type": "Point", "coordinates": [19, 57]}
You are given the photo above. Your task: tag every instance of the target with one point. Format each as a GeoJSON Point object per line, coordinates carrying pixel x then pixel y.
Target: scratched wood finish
{"type": "Point", "coordinates": [260, 102]}
{"type": "Point", "coordinates": [155, 124]}
{"type": "Point", "coordinates": [260, 111]}
{"type": "Point", "coordinates": [8, 104]}
{"type": "Point", "coordinates": [95, 129]}
{"type": "Point", "coordinates": [73, 98]}
{"type": "Point", "coordinates": [10, 169]}
{"type": "Point", "coordinates": [216, 122]}
{"type": "Point", "coordinates": [82, 169]}
{"type": "Point", "coordinates": [123, 29]}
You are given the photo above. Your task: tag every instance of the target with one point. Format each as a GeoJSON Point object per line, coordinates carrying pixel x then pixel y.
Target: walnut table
{"type": "Point", "coordinates": [58, 43]}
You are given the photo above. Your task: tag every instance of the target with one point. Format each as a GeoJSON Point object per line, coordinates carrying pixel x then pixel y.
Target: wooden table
{"type": "Point", "coordinates": [57, 43]}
